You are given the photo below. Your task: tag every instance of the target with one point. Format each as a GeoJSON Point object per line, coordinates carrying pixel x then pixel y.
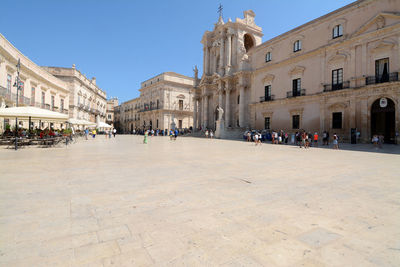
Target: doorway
{"type": "Point", "coordinates": [383, 119]}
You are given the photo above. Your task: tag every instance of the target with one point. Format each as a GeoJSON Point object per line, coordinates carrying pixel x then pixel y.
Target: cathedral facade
{"type": "Point", "coordinates": [338, 73]}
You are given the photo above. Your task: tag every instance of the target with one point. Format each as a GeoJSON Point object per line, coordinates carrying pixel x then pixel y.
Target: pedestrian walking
{"type": "Point", "coordinates": [335, 141]}
{"type": "Point", "coordinates": [114, 132]}
{"type": "Point", "coordinates": [211, 134]}
{"type": "Point", "coordinates": [94, 133]}
{"type": "Point", "coordinates": [316, 139]}
{"type": "Point", "coordinates": [146, 134]}
{"type": "Point", "coordinates": [255, 138]}
{"type": "Point", "coordinates": [206, 133]}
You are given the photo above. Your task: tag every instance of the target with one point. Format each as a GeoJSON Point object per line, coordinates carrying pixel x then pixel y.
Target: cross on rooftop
{"type": "Point", "coordinates": [220, 8]}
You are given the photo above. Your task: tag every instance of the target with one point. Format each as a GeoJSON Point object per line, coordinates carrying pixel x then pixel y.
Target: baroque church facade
{"type": "Point", "coordinates": [338, 73]}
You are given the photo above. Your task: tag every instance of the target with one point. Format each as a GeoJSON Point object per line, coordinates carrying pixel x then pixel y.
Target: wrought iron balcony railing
{"type": "Point", "coordinates": [294, 93]}
{"type": "Point", "coordinates": [391, 77]}
{"type": "Point", "coordinates": [267, 98]}
{"type": "Point", "coordinates": [338, 86]}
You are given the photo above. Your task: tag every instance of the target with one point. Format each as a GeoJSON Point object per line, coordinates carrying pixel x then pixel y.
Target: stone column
{"type": "Point", "coordinates": [227, 107]}
{"type": "Point", "coordinates": [241, 107]}
{"type": "Point", "coordinates": [205, 106]}
{"type": "Point", "coordinates": [228, 53]}
{"type": "Point", "coordinates": [194, 114]}
{"type": "Point", "coordinates": [322, 117]}
{"type": "Point", "coordinates": [206, 61]}
{"type": "Point", "coordinates": [221, 57]}
{"type": "Point", "coordinates": [214, 60]}
{"type": "Point", "coordinates": [200, 114]}
{"type": "Point", "coordinates": [220, 88]}
{"type": "Point", "coordinates": [352, 113]}
{"type": "Point", "coordinates": [364, 120]}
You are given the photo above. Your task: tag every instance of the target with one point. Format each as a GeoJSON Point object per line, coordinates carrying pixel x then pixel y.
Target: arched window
{"type": "Point", "coordinates": [297, 46]}
{"type": "Point", "coordinates": [337, 31]}
{"type": "Point", "coordinates": [248, 42]}
{"type": "Point", "coordinates": [268, 57]}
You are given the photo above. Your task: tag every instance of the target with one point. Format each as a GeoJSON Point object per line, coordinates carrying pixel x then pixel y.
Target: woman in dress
{"type": "Point", "coordinates": [335, 142]}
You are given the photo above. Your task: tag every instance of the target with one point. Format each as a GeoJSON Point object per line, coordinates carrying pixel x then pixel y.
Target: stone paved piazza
{"type": "Point", "coordinates": [186, 203]}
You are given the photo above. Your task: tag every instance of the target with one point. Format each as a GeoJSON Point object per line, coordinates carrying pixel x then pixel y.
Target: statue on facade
{"type": "Point", "coordinates": [3, 104]}
{"type": "Point", "coordinates": [196, 73]}
{"type": "Point", "coordinates": [220, 113]}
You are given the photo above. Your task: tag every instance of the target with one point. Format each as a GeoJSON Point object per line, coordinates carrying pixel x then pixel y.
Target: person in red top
{"type": "Point", "coordinates": [316, 139]}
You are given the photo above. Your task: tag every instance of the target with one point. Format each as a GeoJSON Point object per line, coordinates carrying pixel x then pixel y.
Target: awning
{"type": "Point", "coordinates": [33, 113]}
{"type": "Point", "coordinates": [81, 122]}
{"type": "Point", "coordinates": [101, 124]}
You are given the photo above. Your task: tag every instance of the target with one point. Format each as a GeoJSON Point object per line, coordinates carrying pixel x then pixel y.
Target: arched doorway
{"type": "Point", "coordinates": [383, 119]}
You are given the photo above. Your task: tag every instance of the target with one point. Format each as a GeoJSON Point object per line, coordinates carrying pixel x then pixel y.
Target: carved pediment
{"type": "Point", "coordinates": [383, 46]}
{"type": "Point", "coordinates": [181, 96]}
{"type": "Point", "coordinates": [376, 23]}
{"type": "Point", "coordinates": [296, 111]}
{"type": "Point", "coordinates": [337, 106]}
{"type": "Point", "coordinates": [267, 113]}
{"type": "Point", "coordinates": [268, 78]}
{"type": "Point", "coordinates": [297, 70]}
{"type": "Point", "coordinates": [11, 68]}
{"type": "Point", "coordinates": [339, 57]}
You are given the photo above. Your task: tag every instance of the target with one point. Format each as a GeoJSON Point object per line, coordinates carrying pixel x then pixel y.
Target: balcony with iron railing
{"type": "Point", "coordinates": [335, 87]}
{"type": "Point", "coordinates": [267, 98]}
{"type": "Point", "coordinates": [390, 77]}
{"type": "Point", "coordinates": [295, 93]}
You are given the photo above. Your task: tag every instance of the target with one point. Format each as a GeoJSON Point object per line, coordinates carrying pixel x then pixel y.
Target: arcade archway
{"type": "Point", "coordinates": [383, 119]}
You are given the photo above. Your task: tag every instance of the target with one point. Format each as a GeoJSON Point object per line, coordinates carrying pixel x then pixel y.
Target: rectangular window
{"type": "Point", "coordinates": [337, 79]}
{"type": "Point", "coordinates": [267, 123]}
{"type": "Point", "coordinates": [337, 31]}
{"type": "Point", "coordinates": [21, 92]}
{"type": "Point", "coordinates": [296, 121]}
{"type": "Point", "coordinates": [33, 96]}
{"type": "Point", "coordinates": [180, 124]}
{"type": "Point", "coordinates": [382, 70]}
{"type": "Point", "coordinates": [52, 102]}
{"type": "Point", "coordinates": [267, 93]}
{"type": "Point", "coordinates": [9, 81]}
{"type": "Point", "coordinates": [337, 120]}
{"type": "Point", "coordinates": [43, 99]}
{"type": "Point", "coordinates": [62, 105]}
{"type": "Point", "coordinates": [268, 57]}
{"type": "Point", "coordinates": [297, 46]}
{"type": "Point", "coordinates": [180, 104]}
{"type": "Point", "coordinates": [296, 87]}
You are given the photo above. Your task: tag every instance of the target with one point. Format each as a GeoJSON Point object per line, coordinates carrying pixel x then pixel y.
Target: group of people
{"type": "Point", "coordinates": [93, 133]}
{"type": "Point", "coordinates": [173, 134]}
{"type": "Point", "coordinates": [300, 138]}
{"type": "Point", "coordinates": [306, 140]}
{"type": "Point", "coordinates": [377, 141]}
{"type": "Point", "coordinates": [209, 134]}
{"type": "Point", "coordinates": [159, 132]}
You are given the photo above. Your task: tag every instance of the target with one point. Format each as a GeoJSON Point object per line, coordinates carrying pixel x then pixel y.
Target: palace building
{"type": "Point", "coordinates": [87, 101]}
{"type": "Point", "coordinates": [337, 73]}
{"type": "Point", "coordinates": [165, 102]}
{"type": "Point", "coordinates": [39, 88]}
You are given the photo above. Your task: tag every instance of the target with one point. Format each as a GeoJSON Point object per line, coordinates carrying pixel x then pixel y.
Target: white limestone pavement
{"type": "Point", "coordinates": [197, 202]}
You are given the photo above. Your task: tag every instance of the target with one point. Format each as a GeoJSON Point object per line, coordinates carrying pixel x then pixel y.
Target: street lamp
{"type": "Point", "coordinates": [17, 84]}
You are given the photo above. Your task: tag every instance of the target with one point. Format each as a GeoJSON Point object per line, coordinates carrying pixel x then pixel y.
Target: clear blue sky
{"type": "Point", "coordinates": [124, 42]}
